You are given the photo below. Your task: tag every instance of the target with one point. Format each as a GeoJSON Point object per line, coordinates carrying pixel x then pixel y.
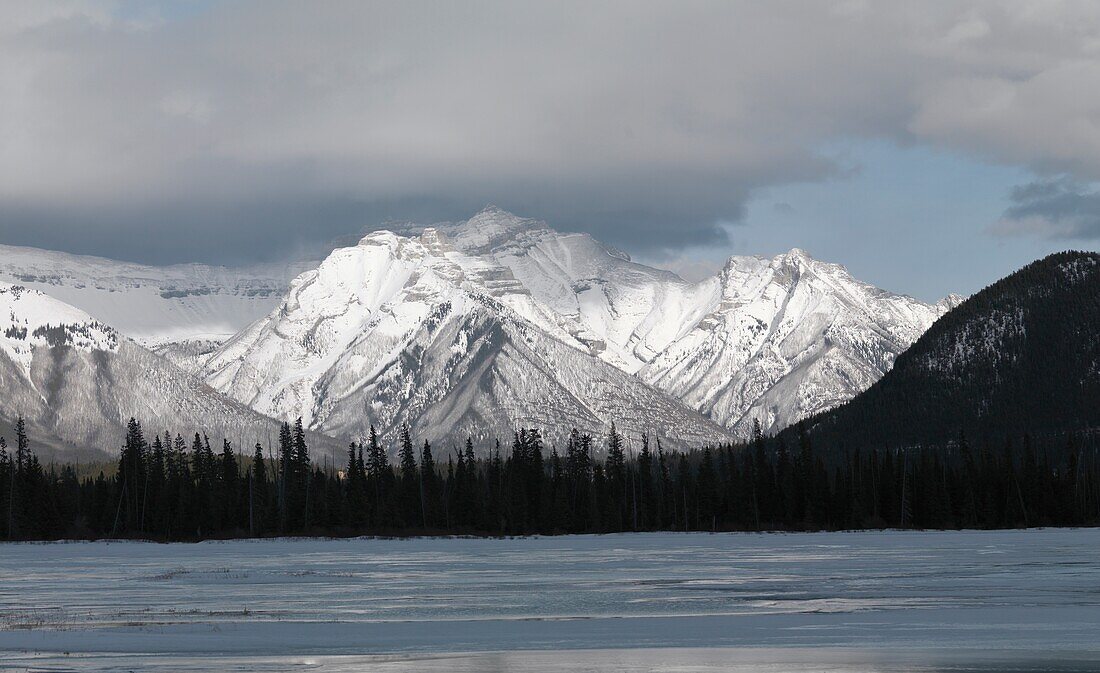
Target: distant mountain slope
{"type": "Point", "coordinates": [77, 381]}
{"type": "Point", "coordinates": [401, 330]}
{"type": "Point", "coordinates": [152, 305]}
{"type": "Point", "coordinates": [787, 338]}
{"type": "Point", "coordinates": [1022, 355]}
{"type": "Point", "coordinates": [773, 340]}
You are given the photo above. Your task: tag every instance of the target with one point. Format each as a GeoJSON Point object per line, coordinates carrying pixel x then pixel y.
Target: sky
{"type": "Point", "coordinates": [930, 147]}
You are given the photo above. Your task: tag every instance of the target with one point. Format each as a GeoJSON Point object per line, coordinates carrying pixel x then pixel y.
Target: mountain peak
{"type": "Point", "coordinates": [380, 236]}
{"type": "Point", "coordinates": [951, 301]}
{"type": "Point", "coordinates": [491, 227]}
{"type": "Point", "coordinates": [493, 209]}
{"type": "Point", "coordinates": [498, 217]}
{"type": "Point", "coordinates": [797, 254]}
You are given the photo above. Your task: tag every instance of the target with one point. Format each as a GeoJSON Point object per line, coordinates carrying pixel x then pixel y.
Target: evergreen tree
{"type": "Point", "coordinates": [299, 481]}
{"type": "Point", "coordinates": [411, 513]}
{"type": "Point", "coordinates": [132, 475]}
{"type": "Point", "coordinates": [707, 490]}
{"type": "Point", "coordinates": [230, 488]}
{"type": "Point", "coordinates": [616, 479]}
{"type": "Point", "coordinates": [379, 480]}
{"type": "Point", "coordinates": [647, 503]}
{"type": "Point", "coordinates": [355, 497]}
{"type": "Point", "coordinates": [429, 487]}
{"type": "Point", "coordinates": [286, 487]}
{"type": "Point", "coordinates": [153, 500]}
{"type": "Point", "coordinates": [258, 496]}
{"type": "Point", "coordinates": [7, 490]}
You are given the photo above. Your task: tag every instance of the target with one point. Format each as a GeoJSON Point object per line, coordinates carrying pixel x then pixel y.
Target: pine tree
{"type": "Point", "coordinates": [22, 444]}
{"type": "Point", "coordinates": [411, 513]}
{"type": "Point", "coordinates": [258, 497]}
{"type": "Point", "coordinates": [429, 487]}
{"type": "Point", "coordinates": [578, 471]}
{"type": "Point", "coordinates": [707, 490]}
{"type": "Point", "coordinates": [379, 479]}
{"type": "Point", "coordinates": [763, 486]}
{"type": "Point", "coordinates": [299, 479]}
{"type": "Point", "coordinates": [494, 492]}
{"type": "Point", "coordinates": [355, 494]}
{"type": "Point", "coordinates": [201, 487]}
{"type": "Point", "coordinates": [154, 504]}
{"type": "Point", "coordinates": [469, 503]}
{"type": "Point", "coordinates": [666, 498]}
{"type": "Point", "coordinates": [132, 475]}
{"type": "Point", "coordinates": [301, 450]}
{"type": "Point", "coordinates": [647, 504]}
{"type": "Point", "coordinates": [684, 486]}
{"type": "Point", "coordinates": [180, 489]}
{"type": "Point", "coordinates": [534, 477]}
{"type": "Point", "coordinates": [285, 487]}
{"type": "Point", "coordinates": [616, 479]}
{"type": "Point", "coordinates": [230, 487]}
{"type": "Point", "coordinates": [7, 489]}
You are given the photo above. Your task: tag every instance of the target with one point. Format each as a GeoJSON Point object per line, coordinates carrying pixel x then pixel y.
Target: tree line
{"type": "Point", "coordinates": [171, 488]}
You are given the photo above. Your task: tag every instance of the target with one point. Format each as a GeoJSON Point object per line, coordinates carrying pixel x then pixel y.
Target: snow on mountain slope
{"type": "Point", "coordinates": [353, 342]}
{"type": "Point", "coordinates": [77, 381]}
{"type": "Point", "coordinates": [398, 329]}
{"type": "Point", "coordinates": [152, 305]}
{"type": "Point", "coordinates": [775, 340]}
{"type": "Point", "coordinates": [30, 319]}
{"type": "Point", "coordinates": [581, 290]}
{"type": "Point", "coordinates": [790, 337]}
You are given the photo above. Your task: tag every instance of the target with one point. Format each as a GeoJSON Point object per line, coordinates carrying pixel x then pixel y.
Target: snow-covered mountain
{"type": "Point", "coordinates": [787, 338]}
{"type": "Point", "coordinates": [155, 306]}
{"type": "Point", "coordinates": [477, 327]}
{"type": "Point", "coordinates": [497, 321]}
{"type": "Point", "coordinates": [775, 340]}
{"type": "Point", "coordinates": [413, 330]}
{"type": "Point", "coordinates": [77, 381]}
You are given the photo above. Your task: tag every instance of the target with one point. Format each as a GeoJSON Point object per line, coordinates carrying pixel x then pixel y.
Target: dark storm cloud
{"type": "Point", "coordinates": [1056, 208]}
{"type": "Point", "coordinates": [231, 234]}
{"type": "Point", "coordinates": [251, 129]}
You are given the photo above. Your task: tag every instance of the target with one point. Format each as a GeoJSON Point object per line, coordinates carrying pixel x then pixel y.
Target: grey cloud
{"type": "Point", "coordinates": [261, 124]}
{"type": "Point", "coordinates": [1055, 208]}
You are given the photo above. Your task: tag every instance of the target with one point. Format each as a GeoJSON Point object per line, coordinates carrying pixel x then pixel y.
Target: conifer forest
{"type": "Point", "coordinates": [171, 488]}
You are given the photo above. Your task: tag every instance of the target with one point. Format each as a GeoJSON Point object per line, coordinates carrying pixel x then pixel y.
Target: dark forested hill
{"type": "Point", "coordinates": [1021, 356]}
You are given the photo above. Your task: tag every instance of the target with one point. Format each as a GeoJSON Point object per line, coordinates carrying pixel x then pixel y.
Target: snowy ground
{"type": "Point", "coordinates": [893, 601]}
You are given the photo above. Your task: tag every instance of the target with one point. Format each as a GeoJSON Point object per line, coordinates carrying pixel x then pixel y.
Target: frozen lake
{"type": "Point", "coordinates": [869, 601]}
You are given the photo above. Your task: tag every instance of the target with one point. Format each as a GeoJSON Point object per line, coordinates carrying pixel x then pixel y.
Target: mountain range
{"type": "Point", "coordinates": [76, 382]}
{"type": "Point", "coordinates": [479, 327]}
{"type": "Point", "coordinates": [437, 325]}
{"type": "Point", "coordinates": [155, 306]}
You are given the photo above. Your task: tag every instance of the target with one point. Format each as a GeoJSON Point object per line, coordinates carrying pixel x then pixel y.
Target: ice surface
{"type": "Point", "coordinates": [870, 601]}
